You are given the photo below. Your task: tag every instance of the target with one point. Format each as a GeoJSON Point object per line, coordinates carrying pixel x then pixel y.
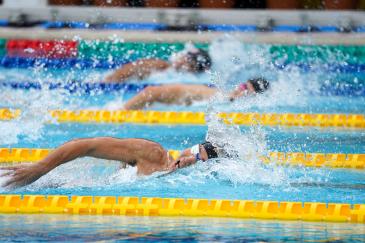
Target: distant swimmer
{"type": "Point", "coordinates": [186, 94]}
{"type": "Point", "coordinates": [148, 156]}
{"type": "Point", "coordinates": [193, 60]}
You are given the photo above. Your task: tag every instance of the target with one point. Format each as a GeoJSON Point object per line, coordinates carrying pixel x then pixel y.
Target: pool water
{"type": "Point", "coordinates": [25, 228]}
{"type": "Point", "coordinates": [293, 90]}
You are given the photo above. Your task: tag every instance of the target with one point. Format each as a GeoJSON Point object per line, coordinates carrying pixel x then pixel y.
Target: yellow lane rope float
{"type": "Point", "coordinates": [199, 118]}
{"type": "Point", "coordinates": [8, 114]}
{"type": "Point", "coordinates": [134, 206]}
{"type": "Point", "coordinates": [354, 161]}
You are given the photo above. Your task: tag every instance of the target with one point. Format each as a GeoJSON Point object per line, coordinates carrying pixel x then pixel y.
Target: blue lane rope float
{"type": "Point", "coordinates": [75, 86]}
{"type": "Point", "coordinates": [360, 29]}
{"type": "Point", "coordinates": [130, 26]}
{"type": "Point", "coordinates": [332, 67]}
{"type": "Point", "coordinates": [21, 62]}
{"type": "Point", "coordinates": [80, 87]}
{"type": "Point", "coordinates": [344, 90]}
{"type": "Point", "coordinates": [61, 24]}
{"type": "Point", "coordinates": [208, 27]}
{"type": "Point", "coordinates": [4, 22]}
{"type": "Point", "coordinates": [228, 28]}
{"type": "Point", "coordinates": [113, 25]}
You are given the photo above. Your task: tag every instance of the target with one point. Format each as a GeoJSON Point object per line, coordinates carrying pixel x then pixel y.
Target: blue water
{"type": "Point", "coordinates": [25, 228]}
{"type": "Point", "coordinates": [285, 139]}
{"type": "Point", "coordinates": [228, 179]}
{"type": "Point", "coordinates": [300, 95]}
{"type": "Point", "coordinates": [300, 103]}
{"type": "Point", "coordinates": [244, 178]}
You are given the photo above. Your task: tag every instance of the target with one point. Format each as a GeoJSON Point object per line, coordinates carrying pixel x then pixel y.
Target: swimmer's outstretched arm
{"type": "Point", "coordinates": [140, 69]}
{"type": "Point", "coordinates": [102, 147]}
{"type": "Point", "coordinates": [147, 96]}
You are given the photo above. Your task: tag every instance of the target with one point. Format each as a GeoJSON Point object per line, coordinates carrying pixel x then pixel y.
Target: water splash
{"type": "Point", "coordinates": [34, 106]}
{"type": "Point", "coordinates": [83, 173]}
{"type": "Point", "coordinates": [230, 56]}
{"type": "Point", "coordinates": [243, 164]}
{"type": "Point", "coordinates": [233, 63]}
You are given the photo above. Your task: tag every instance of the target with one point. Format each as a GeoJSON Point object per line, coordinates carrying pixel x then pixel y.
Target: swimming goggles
{"type": "Point", "coordinates": [195, 150]}
{"type": "Point", "coordinates": [209, 148]}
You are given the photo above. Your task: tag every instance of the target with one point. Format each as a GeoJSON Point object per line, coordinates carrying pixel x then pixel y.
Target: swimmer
{"type": "Point", "coordinates": [146, 155]}
{"type": "Point", "coordinates": [194, 60]}
{"type": "Point", "coordinates": [186, 94]}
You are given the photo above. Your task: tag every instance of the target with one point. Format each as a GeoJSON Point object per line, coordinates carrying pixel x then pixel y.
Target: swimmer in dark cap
{"type": "Point", "coordinates": [148, 156]}
{"type": "Point", "coordinates": [194, 60]}
{"type": "Point", "coordinates": [185, 94]}
{"type": "Point", "coordinates": [199, 152]}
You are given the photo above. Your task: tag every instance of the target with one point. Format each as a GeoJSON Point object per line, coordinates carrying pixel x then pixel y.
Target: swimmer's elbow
{"type": "Point", "coordinates": [84, 146]}
{"type": "Point", "coordinates": [73, 149]}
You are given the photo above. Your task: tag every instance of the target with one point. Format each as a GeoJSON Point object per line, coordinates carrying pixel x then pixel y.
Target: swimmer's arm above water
{"type": "Point", "coordinates": [146, 97]}
{"type": "Point", "coordinates": [169, 94]}
{"type": "Point", "coordinates": [139, 69]}
{"type": "Point", "coordinates": [164, 94]}
{"type": "Point", "coordinates": [103, 147]}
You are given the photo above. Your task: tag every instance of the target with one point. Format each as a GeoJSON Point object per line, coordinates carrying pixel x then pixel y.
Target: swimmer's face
{"type": "Point", "coordinates": [187, 158]}
{"type": "Point", "coordinates": [250, 88]}
{"type": "Point", "coordinates": [242, 90]}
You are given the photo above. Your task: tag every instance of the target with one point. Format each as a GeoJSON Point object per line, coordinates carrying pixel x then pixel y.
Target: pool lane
{"type": "Point", "coordinates": [292, 139]}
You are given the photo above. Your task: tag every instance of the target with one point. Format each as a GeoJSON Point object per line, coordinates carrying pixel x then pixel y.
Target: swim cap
{"type": "Point", "coordinates": [210, 149]}
{"type": "Point", "coordinates": [195, 149]}
{"type": "Point", "coordinates": [259, 84]}
{"type": "Point", "coordinates": [200, 59]}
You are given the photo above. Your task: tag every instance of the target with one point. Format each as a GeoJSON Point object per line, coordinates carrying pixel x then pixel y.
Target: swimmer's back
{"type": "Point", "coordinates": [190, 92]}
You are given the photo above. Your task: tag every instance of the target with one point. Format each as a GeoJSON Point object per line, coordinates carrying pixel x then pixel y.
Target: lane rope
{"type": "Point", "coordinates": [353, 161]}
{"type": "Point", "coordinates": [199, 118]}
{"type": "Point", "coordinates": [19, 61]}
{"type": "Point", "coordinates": [148, 206]}
{"type": "Point", "coordinates": [80, 87]}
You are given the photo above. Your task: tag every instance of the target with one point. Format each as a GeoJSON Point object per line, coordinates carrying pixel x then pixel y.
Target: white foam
{"type": "Point", "coordinates": [86, 172]}
{"type": "Point", "coordinates": [116, 104]}
{"type": "Point", "coordinates": [34, 106]}
{"type": "Point", "coordinates": [232, 63]}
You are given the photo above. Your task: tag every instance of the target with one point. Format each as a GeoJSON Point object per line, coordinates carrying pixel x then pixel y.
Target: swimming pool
{"type": "Point", "coordinates": [105, 228]}
{"type": "Point", "coordinates": [96, 228]}
{"type": "Point", "coordinates": [294, 90]}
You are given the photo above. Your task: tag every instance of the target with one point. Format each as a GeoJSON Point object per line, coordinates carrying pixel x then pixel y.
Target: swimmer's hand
{"type": "Point", "coordinates": [22, 175]}
{"type": "Point", "coordinates": [171, 169]}
{"type": "Point", "coordinates": [174, 166]}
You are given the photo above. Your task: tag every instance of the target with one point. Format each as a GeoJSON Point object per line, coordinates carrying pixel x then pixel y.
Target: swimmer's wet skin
{"type": "Point", "coordinates": [195, 61]}
{"type": "Point", "coordinates": [146, 155]}
{"type": "Point", "coordinates": [186, 94]}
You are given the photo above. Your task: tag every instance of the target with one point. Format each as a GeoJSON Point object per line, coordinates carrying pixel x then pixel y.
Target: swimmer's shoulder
{"type": "Point", "coordinates": [148, 141]}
